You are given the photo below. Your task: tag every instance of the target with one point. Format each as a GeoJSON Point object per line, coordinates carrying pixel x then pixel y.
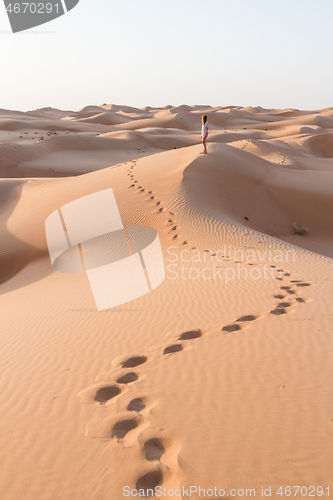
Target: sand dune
{"type": "Point", "coordinates": [243, 186]}
{"type": "Point", "coordinates": [106, 118]}
{"type": "Point", "coordinates": [219, 377]}
{"type": "Point", "coordinates": [320, 145]}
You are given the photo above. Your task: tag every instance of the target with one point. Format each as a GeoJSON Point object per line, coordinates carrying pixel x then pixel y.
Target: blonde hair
{"type": "Point", "coordinates": [204, 119]}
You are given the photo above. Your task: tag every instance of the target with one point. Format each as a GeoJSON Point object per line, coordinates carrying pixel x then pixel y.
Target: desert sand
{"type": "Point", "coordinates": [221, 377]}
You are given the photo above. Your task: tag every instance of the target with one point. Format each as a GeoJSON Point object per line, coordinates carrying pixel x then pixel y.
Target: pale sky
{"type": "Point", "coordinates": [272, 53]}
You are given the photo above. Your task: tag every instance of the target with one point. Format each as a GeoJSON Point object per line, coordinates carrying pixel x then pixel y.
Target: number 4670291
{"type": "Point", "coordinates": [32, 8]}
{"type": "Point", "coordinates": [304, 491]}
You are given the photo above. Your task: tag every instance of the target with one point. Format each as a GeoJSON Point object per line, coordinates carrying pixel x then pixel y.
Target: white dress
{"type": "Point", "coordinates": [204, 129]}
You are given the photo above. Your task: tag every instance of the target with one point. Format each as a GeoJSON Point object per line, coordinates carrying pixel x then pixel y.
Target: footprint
{"type": "Point", "coordinates": [153, 449]}
{"type": "Point", "coordinates": [279, 296]}
{"type": "Point", "coordinates": [286, 287]}
{"type": "Point", "coordinates": [303, 284]}
{"type": "Point", "coordinates": [128, 378]}
{"type": "Point", "coordinates": [120, 429]}
{"type": "Point", "coordinates": [278, 312]}
{"type": "Point", "coordinates": [174, 228]}
{"type": "Point", "coordinates": [134, 361]}
{"type": "Point", "coordinates": [137, 404]}
{"type": "Point", "coordinates": [231, 328]}
{"type": "Point", "coordinates": [171, 349]}
{"type": "Point", "coordinates": [283, 305]}
{"type": "Point", "coordinates": [193, 334]}
{"type": "Point", "coordinates": [291, 292]}
{"type": "Point", "coordinates": [175, 236]}
{"type": "Point", "coordinates": [158, 203]}
{"type": "Point", "coordinates": [100, 393]}
{"type": "Point", "coordinates": [148, 482]}
{"type": "Point", "coordinates": [104, 394]}
{"type": "Point", "coordinates": [247, 318]}
{"type": "Point", "coordinates": [161, 210]}
{"type": "Point", "coordinates": [301, 300]}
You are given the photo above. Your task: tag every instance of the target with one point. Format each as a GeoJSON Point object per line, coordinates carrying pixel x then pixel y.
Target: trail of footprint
{"type": "Point", "coordinates": [153, 449]}
{"type": "Point", "coordinates": [107, 393]}
{"type": "Point", "coordinates": [158, 203]}
{"type": "Point", "coordinates": [236, 326]}
{"type": "Point", "coordinates": [280, 309]}
{"type": "Point", "coordinates": [130, 424]}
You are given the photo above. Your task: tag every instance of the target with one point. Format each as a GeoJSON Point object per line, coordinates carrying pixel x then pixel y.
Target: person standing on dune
{"type": "Point", "coordinates": [204, 133]}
